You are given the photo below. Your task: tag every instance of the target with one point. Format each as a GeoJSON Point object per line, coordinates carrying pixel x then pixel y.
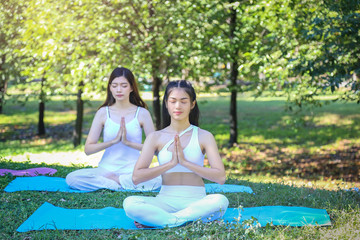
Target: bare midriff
{"type": "Point", "coordinates": [182, 178]}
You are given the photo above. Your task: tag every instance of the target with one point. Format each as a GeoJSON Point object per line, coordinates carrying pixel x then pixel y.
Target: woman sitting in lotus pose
{"type": "Point", "coordinates": [180, 147]}
{"type": "Point", "coordinates": [122, 118]}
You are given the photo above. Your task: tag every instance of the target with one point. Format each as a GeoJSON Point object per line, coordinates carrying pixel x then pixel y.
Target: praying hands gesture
{"type": "Point", "coordinates": [121, 136]}
{"type": "Point", "coordinates": [177, 153]}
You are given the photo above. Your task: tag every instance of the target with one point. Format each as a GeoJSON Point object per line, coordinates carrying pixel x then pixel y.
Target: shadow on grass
{"type": "Point", "coordinates": [341, 164]}
{"type": "Point", "coordinates": [29, 132]}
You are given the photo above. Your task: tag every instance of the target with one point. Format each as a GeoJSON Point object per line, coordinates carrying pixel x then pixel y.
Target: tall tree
{"type": "Point", "coordinates": [10, 25]}
{"type": "Point", "coordinates": [242, 38]}
{"type": "Point", "coordinates": [234, 73]}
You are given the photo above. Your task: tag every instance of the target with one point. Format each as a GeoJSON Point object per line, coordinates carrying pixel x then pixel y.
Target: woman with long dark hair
{"type": "Point", "coordinates": [122, 118]}
{"type": "Point", "coordinates": [180, 147]}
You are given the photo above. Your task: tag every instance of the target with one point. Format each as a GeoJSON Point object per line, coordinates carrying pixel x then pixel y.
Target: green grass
{"type": "Point", "coordinates": [342, 206]}
{"type": "Point", "coordinates": [304, 159]}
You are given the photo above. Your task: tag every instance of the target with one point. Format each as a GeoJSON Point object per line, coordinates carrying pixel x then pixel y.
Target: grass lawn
{"type": "Point", "coordinates": [308, 159]}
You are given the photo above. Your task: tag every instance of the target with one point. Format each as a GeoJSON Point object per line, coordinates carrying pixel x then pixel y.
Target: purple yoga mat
{"type": "Point", "coordinates": [32, 172]}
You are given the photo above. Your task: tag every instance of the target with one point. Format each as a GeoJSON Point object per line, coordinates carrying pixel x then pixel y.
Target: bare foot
{"type": "Point", "coordinates": [139, 225]}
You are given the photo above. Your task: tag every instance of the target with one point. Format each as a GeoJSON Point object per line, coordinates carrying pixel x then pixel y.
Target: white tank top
{"type": "Point", "coordinates": [192, 152]}
{"type": "Point", "coordinates": [119, 157]}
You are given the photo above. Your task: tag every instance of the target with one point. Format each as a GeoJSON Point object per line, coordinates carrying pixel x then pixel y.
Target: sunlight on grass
{"type": "Point", "coordinates": [73, 158]}
{"type": "Point", "coordinates": [60, 117]}
{"type": "Point", "coordinates": [333, 185]}
{"type": "Point", "coordinates": [19, 118]}
{"type": "Point", "coordinates": [333, 119]}
{"type": "Point", "coordinates": [261, 139]}
{"type": "Point", "coordinates": [16, 147]}
{"type": "Point", "coordinates": [338, 144]}
{"type": "Point", "coordinates": [222, 138]}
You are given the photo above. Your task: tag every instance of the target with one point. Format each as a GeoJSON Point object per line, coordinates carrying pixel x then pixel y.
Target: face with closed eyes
{"type": "Point", "coordinates": [179, 104]}
{"type": "Point", "coordinates": [120, 88]}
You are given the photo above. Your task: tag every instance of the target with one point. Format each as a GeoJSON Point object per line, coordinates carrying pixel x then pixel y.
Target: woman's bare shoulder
{"type": "Point", "coordinates": [101, 110]}
{"type": "Point", "coordinates": [101, 114]}
{"type": "Point", "coordinates": [144, 113]}
{"type": "Point", "coordinates": [205, 137]}
{"type": "Point", "coordinates": [205, 133]}
{"type": "Point", "coordinates": [154, 136]}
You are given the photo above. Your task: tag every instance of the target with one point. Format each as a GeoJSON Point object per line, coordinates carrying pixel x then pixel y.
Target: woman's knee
{"type": "Point", "coordinates": [70, 179]}
{"type": "Point", "coordinates": [220, 199]}
{"type": "Point", "coordinates": [131, 201]}
{"type": "Point", "coordinates": [224, 201]}
{"type": "Point", "coordinates": [80, 175]}
{"type": "Point", "coordinates": [132, 206]}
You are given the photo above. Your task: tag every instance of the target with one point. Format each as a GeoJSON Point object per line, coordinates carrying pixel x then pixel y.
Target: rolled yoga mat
{"type": "Point", "coordinates": [29, 172]}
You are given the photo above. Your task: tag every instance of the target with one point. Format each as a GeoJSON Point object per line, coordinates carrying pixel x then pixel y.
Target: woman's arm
{"type": "Point", "coordinates": [146, 123]}
{"type": "Point", "coordinates": [91, 144]}
{"type": "Point", "coordinates": [142, 172]}
{"type": "Point", "coordinates": [217, 171]}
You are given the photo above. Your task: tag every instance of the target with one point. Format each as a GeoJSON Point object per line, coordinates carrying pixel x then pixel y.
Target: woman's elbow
{"type": "Point", "coordinates": [222, 180]}
{"type": "Point", "coordinates": [135, 179]}
{"type": "Point", "coordinates": [87, 151]}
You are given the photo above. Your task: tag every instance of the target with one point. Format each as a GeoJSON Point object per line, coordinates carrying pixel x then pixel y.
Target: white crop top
{"type": "Point", "coordinates": [192, 152]}
{"type": "Point", "coordinates": [119, 157]}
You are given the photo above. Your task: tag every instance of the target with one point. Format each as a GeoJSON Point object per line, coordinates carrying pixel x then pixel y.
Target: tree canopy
{"type": "Point", "coordinates": [303, 48]}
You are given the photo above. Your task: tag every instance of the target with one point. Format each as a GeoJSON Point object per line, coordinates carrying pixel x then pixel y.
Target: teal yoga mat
{"type": "Point", "coordinates": [54, 184]}
{"type": "Point", "coordinates": [50, 217]}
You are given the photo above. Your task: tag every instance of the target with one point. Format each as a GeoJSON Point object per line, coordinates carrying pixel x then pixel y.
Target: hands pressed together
{"type": "Point", "coordinates": [177, 153]}
{"type": "Point", "coordinates": [121, 136]}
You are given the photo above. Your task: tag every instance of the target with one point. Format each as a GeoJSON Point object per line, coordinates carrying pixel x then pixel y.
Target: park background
{"type": "Point", "coordinates": [278, 85]}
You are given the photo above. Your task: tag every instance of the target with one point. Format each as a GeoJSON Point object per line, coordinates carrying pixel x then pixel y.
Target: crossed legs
{"type": "Point", "coordinates": [169, 209]}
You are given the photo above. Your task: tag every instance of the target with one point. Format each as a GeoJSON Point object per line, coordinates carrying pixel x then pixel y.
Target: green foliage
{"type": "Point", "coordinates": [10, 25]}
{"type": "Point", "coordinates": [62, 47]}
{"type": "Point", "coordinates": [328, 57]}
{"type": "Point", "coordinates": [254, 42]}
{"type": "Point", "coordinates": [71, 41]}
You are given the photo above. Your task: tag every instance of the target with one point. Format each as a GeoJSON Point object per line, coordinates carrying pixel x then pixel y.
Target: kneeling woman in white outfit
{"type": "Point", "coordinates": [122, 118]}
{"type": "Point", "coordinates": [180, 147]}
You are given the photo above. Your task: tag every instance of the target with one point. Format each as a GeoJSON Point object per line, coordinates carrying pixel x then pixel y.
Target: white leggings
{"type": "Point", "coordinates": [92, 179]}
{"type": "Point", "coordinates": [175, 205]}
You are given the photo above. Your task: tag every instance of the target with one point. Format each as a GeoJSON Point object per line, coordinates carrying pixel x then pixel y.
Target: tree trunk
{"type": "Point", "coordinates": [156, 80]}
{"type": "Point", "coordinates": [233, 104]}
{"type": "Point", "coordinates": [77, 134]}
{"type": "Point", "coordinates": [233, 78]}
{"type": "Point", "coordinates": [156, 101]}
{"type": "Point", "coordinates": [3, 85]}
{"type": "Point", "coordinates": [41, 124]}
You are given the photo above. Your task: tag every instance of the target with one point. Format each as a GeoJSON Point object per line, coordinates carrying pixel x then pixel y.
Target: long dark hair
{"type": "Point", "coordinates": [194, 113]}
{"type": "Point", "coordinates": [134, 95]}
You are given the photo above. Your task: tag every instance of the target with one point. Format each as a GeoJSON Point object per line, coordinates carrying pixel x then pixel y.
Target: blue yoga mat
{"type": "Point", "coordinates": [54, 184]}
{"type": "Point", "coordinates": [48, 216]}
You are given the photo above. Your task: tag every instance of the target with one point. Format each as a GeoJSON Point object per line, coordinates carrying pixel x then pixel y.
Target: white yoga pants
{"type": "Point", "coordinates": [176, 205]}
{"type": "Point", "coordinates": [92, 179]}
